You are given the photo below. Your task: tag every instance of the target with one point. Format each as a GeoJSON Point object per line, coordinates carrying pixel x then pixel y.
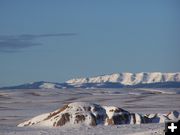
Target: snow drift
{"type": "Point", "coordinates": [94, 114]}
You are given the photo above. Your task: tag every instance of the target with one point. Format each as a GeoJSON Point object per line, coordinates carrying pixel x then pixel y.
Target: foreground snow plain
{"type": "Point", "coordinates": [17, 106]}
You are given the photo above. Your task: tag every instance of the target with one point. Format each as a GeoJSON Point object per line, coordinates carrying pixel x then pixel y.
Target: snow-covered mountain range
{"type": "Point", "coordinates": [116, 80]}
{"type": "Point", "coordinates": [130, 78]}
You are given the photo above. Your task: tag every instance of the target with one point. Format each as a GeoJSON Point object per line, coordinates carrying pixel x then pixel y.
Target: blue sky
{"type": "Point", "coordinates": [62, 39]}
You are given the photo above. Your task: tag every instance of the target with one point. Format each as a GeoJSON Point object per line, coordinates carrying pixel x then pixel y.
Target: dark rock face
{"type": "Point", "coordinates": [56, 112]}
{"type": "Point", "coordinates": [79, 118]}
{"type": "Point", "coordinates": [63, 120]}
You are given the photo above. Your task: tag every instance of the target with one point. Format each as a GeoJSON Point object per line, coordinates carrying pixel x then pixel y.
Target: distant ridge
{"type": "Point", "coordinates": [117, 80]}
{"type": "Point", "coordinates": [130, 78]}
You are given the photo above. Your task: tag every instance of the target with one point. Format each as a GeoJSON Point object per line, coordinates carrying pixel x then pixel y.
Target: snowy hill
{"type": "Point", "coordinates": [39, 85]}
{"type": "Point", "coordinates": [119, 80]}
{"type": "Point", "coordinates": [93, 114]}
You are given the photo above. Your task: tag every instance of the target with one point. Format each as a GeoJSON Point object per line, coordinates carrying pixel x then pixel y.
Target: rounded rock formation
{"type": "Point", "coordinates": [94, 114]}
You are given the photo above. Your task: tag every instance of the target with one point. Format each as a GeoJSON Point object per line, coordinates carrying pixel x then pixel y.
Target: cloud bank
{"type": "Point", "coordinates": [11, 43]}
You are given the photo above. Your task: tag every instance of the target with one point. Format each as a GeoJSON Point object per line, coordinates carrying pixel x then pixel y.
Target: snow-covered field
{"type": "Point", "coordinates": [17, 106]}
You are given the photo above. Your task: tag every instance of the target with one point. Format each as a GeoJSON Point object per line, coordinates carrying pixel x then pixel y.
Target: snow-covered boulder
{"type": "Point", "coordinates": [136, 118]}
{"type": "Point", "coordinates": [161, 118]}
{"type": "Point", "coordinates": [116, 115]}
{"type": "Point", "coordinates": [174, 115]}
{"type": "Point", "coordinates": [94, 114]}
{"type": "Point", "coordinates": [155, 118]}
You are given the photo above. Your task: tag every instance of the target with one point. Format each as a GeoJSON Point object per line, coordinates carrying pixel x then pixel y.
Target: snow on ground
{"type": "Point", "coordinates": [17, 106]}
{"type": "Point", "coordinates": [163, 91]}
{"type": "Point", "coordinates": [145, 129]}
{"type": "Point", "coordinates": [48, 86]}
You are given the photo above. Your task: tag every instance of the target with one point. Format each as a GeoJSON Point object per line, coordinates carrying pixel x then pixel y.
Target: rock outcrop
{"type": "Point", "coordinates": [94, 114]}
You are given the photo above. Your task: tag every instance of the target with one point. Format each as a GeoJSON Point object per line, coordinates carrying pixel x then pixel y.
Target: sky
{"type": "Point", "coordinates": [45, 40]}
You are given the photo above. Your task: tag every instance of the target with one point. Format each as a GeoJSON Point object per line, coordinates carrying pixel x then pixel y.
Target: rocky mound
{"type": "Point", "coordinates": [94, 114]}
